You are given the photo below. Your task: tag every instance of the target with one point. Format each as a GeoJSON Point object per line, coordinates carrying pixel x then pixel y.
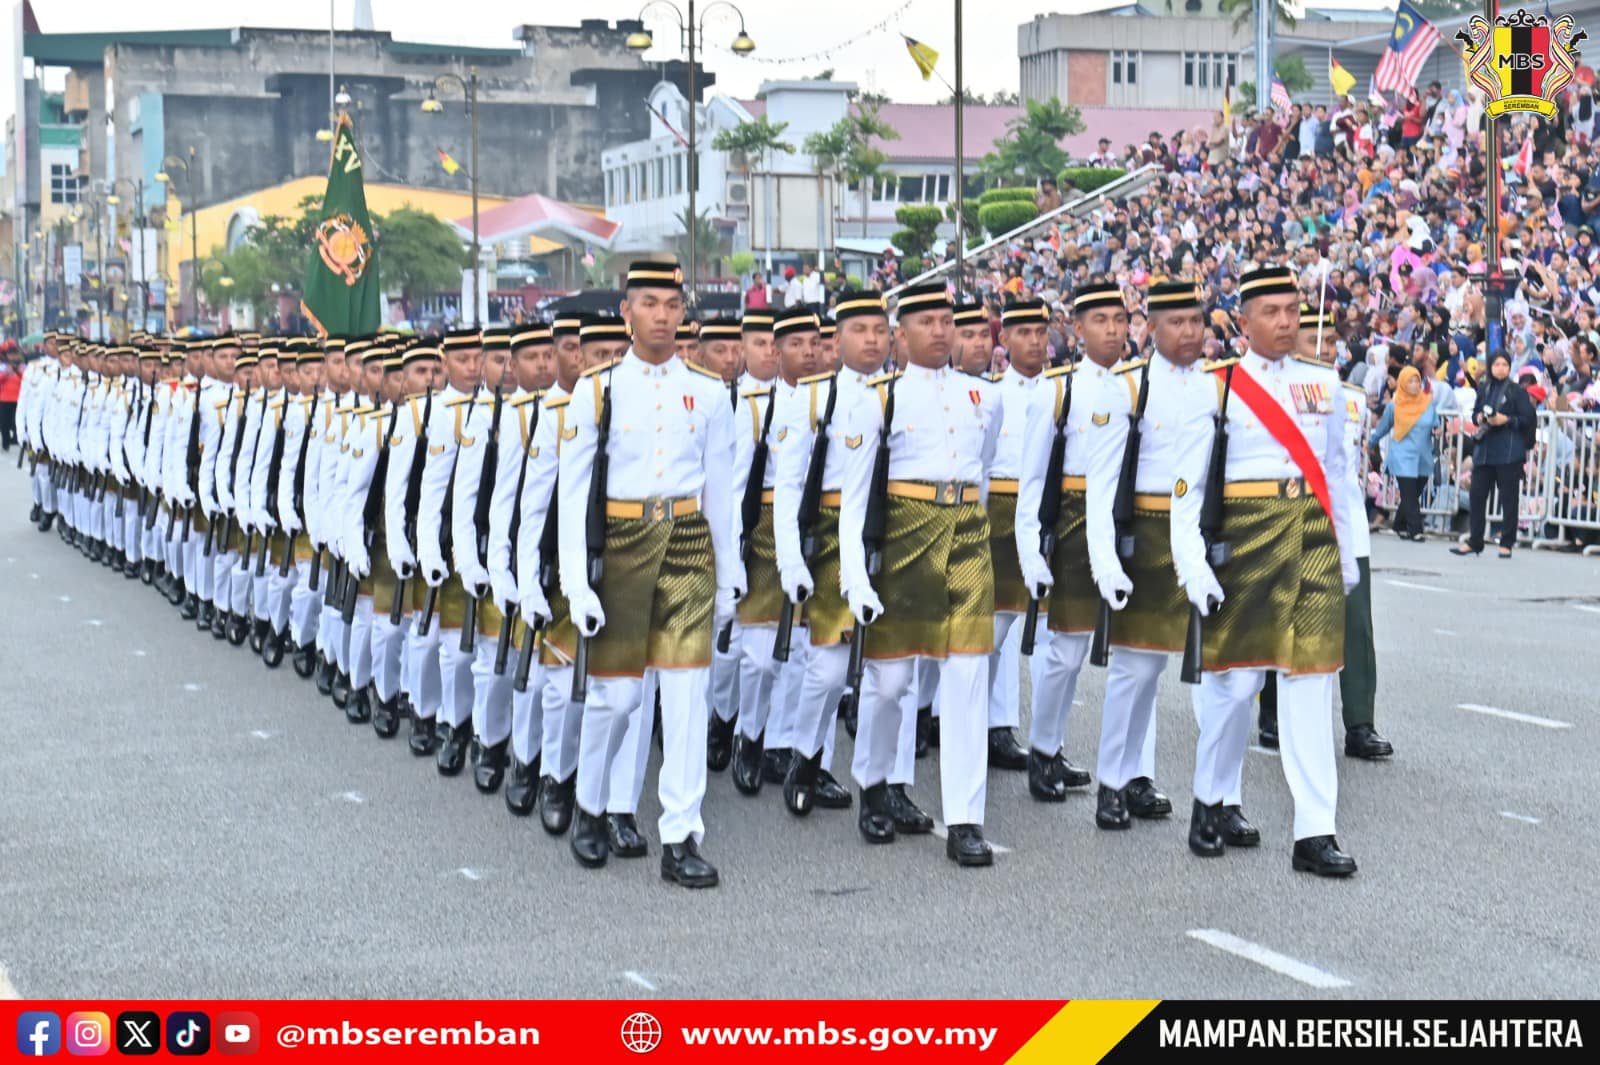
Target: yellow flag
{"type": "Point", "coordinates": [1341, 79]}
{"type": "Point", "coordinates": [448, 161]}
{"type": "Point", "coordinates": [924, 57]}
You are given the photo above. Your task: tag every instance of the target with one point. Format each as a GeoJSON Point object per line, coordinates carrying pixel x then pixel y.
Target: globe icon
{"type": "Point", "coordinates": [641, 1033]}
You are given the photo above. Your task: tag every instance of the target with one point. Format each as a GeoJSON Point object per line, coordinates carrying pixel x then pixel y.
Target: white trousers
{"type": "Point", "coordinates": [174, 552]}
{"type": "Point", "coordinates": [455, 676]}
{"type": "Point", "coordinates": [785, 703]}
{"type": "Point", "coordinates": [239, 596]}
{"type": "Point", "coordinates": [1127, 722]}
{"type": "Point", "coordinates": [1057, 661]}
{"type": "Point", "coordinates": [132, 533]}
{"type": "Point", "coordinates": [1005, 672]}
{"type": "Point", "coordinates": [112, 528]}
{"type": "Point", "coordinates": [615, 704]}
{"type": "Point", "coordinates": [44, 493]}
{"type": "Point", "coordinates": [419, 671]}
{"type": "Point", "coordinates": [722, 682]}
{"type": "Point", "coordinates": [197, 567]}
{"type": "Point", "coordinates": [260, 591]}
{"type": "Point", "coordinates": [527, 717]}
{"type": "Point", "coordinates": [562, 725]}
{"type": "Point", "coordinates": [305, 606]}
{"type": "Point", "coordinates": [1224, 707]}
{"type": "Point", "coordinates": [361, 644]}
{"type": "Point", "coordinates": [491, 695]}
{"type": "Point", "coordinates": [758, 670]}
{"type": "Point", "coordinates": [388, 640]}
{"type": "Point", "coordinates": [817, 705]}
{"type": "Point", "coordinates": [280, 594]}
{"type": "Point", "coordinates": [963, 686]}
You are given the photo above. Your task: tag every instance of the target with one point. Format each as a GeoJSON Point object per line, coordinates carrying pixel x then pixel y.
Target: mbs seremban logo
{"type": "Point", "coordinates": [1522, 61]}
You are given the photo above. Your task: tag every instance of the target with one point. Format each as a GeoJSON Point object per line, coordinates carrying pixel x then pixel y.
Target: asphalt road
{"type": "Point", "coordinates": [178, 821]}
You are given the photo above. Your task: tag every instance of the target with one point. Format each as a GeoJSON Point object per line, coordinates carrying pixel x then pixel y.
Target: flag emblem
{"type": "Point", "coordinates": [975, 396]}
{"type": "Point", "coordinates": [924, 57]}
{"type": "Point", "coordinates": [344, 246]}
{"type": "Point", "coordinates": [688, 403]}
{"type": "Point", "coordinates": [1521, 62]}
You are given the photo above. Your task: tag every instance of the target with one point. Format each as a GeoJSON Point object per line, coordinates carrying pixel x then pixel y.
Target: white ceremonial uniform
{"type": "Point", "coordinates": [215, 401]}
{"type": "Point", "coordinates": [33, 401]}
{"type": "Point", "coordinates": [938, 434]}
{"type": "Point", "coordinates": [174, 471]}
{"type": "Point", "coordinates": [268, 590]}
{"type": "Point", "coordinates": [253, 423]}
{"type": "Point", "coordinates": [362, 444]}
{"type": "Point", "coordinates": [491, 692]}
{"type": "Point", "coordinates": [219, 475]}
{"type": "Point", "coordinates": [419, 655]}
{"type": "Point", "coordinates": [297, 437]}
{"type": "Point", "coordinates": [455, 419]}
{"type": "Point", "coordinates": [1128, 721]}
{"type": "Point", "coordinates": [132, 462]}
{"type": "Point", "coordinates": [517, 427]}
{"type": "Point", "coordinates": [1013, 391]}
{"type": "Point", "coordinates": [119, 418]}
{"type": "Point", "coordinates": [692, 456]}
{"type": "Point", "coordinates": [723, 687]}
{"type": "Point", "coordinates": [825, 668]}
{"type": "Point", "coordinates": [1058, 656]}
{"type": "Point", "coordinates": [150, 464]}
{"type": "Point", "coordinates": [1224, 701]}
{"type": "Point", "coordinates": [333, 635]}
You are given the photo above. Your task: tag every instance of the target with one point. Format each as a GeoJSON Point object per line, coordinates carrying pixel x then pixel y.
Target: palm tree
{"type": "Point", "coordinates": [863, 162]}
{"type": "Point", "coordinates": [828, 150]}
{"type": "Point", "coordinates": [1031, 147]}
{"type": "Point", "coordinates": [750, 141]}
{"type": "Point", "coordinates": [705, 237]}
{"type": "Point", "coordinates": [1244, 10]}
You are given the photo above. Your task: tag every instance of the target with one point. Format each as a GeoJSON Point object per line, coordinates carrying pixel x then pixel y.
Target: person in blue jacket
{"type": "Point", "coordinates": [1409, 420]}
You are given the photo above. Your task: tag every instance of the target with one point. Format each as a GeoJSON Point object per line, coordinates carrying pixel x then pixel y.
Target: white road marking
{"type": "Point", "coordinates": [1256, 747]}
{"type": "Point", "coordinates": [192, 687]}
{"type": "Point", "coordinates": [65, 598]}
{"type": "Point", "coordinates": [352, 796]}
{"type": "Point", "coordinates": [1524, 818]}
{"type": "Point", "coordinates": [1417, 587]}
{"type": "Point", "coordinates": [641, 981]}
{"type": "Point", "coordinates": [262, 734]}
{"type": "Point", "coordinates": [138, 654]}
{"type": "Point", "coordinates": [1282, 964]}
{"type": "Point", "coordinates": [1512, 715]}
{"type": "Point", "coordinates": [1447, 632]}
{"type": "Point", "coordinates": [1585, 607]}
{"type": "Point", "coordinates": [96, 622]}
{"type": "Point", "coordinates": [470, 873]}
{"type": "Point", "coordinates": [8, 990]}
{"type": "Point", "coordinates": [33, 576]}
{"type": "Point", "coordinates": [941, 832]}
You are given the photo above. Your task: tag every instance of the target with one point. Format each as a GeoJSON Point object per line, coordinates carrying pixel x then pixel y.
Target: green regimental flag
{"type": "Point", "coordinates": [341, 291]}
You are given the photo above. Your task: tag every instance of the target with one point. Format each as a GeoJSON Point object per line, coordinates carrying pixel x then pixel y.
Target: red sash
{"type": "Point", "coordinates": [1285, 430]}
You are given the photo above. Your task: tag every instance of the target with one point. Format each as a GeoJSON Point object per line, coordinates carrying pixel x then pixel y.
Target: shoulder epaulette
{"type": "Point", "coordinates": [1312, 362]}
{"type": "Point", "coordinates": [458, 401]}
{"type": "Point", "coordinates": [361, 412]}
{"type": "Point", "coordinates": [883, 379]}
{"type": "Point", "coordinates": [816, 377]}
{"type": "Point", "coordinates": [486, 401]}
{"type": "Point", "coordinates": [992, 378]}
{"type": "Point", "coordinates": [557, 401]}
{"type": "Point", "coordinates": [1218, 364]}
{"type": "Point", "coordinates": [224, 404]}
{"type": "Point", "coordinates": [1353, 388]}
{"type": "Point", "coordinates": [591, 371]}
{"type": "Point", "coordinates": [529, 398]}
{"type": "Point", "coordinates": [1060, 371]}
{"type": "Point", "coordinates": [276, 404]}
{"type": "Point", "coordinates": [1130, 366]}
{"type": "Point", "coordinates": [756, 393]}
{"type": "Point", "coordinates": [702, 371]}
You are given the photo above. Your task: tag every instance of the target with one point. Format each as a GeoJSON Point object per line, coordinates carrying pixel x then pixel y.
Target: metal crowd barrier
{"type": "Point", "coordinates": [1560, 482]}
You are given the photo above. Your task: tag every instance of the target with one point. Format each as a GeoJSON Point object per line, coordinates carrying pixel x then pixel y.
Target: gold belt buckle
{"type": "Point", "coordinates": [947, 493]}
{"type": "Point", "coordinates": [1291, 488]}
{"type": "Point", "coordinates": [656, 509]}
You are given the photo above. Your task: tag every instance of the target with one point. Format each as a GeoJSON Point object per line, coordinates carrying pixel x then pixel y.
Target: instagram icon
{"type": "Point", "coordinates": [88, 1034]}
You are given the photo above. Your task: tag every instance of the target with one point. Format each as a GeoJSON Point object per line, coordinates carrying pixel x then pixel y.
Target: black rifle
{"type": "Point", "coordinates": [750, 505]}
{"type": "Point", "coordinates": [502, 649]}
{"type": "Point", "coordinates": [1122, 514]}
{"type": "Point", "coordinates": [549, 548]}
{"type": "Point", "coordinates": [1049, 511]}
{"type": "Point", "coordinates": [594, 536]}
{"type": "Point", "coordinates": [211, 528]}
{"type": "Point", "coordinates": [371, 514]}
{"type": "Point", "coordinates": [446, 534]}
{"type": "Point", "coordinates": [274, 460]}
{"type": "Point", "coordinates": [413, 498]}
{"type": "Point", "coordinates": [147, 499]}
{"type": "Point", "coordinates": [337, 570]}
{"type": "Point", "coordinates": [1211, 514]}
{"type": "Point", "coordinates": [480, 520]}
{"type": "Point", "coordinates": [192, 464]}
{"type": "Point", "coordinates": [297, 485]}
{"type": "Point", "coordinates": [255, 445]}
{"type": "Point", "coordinates": [874, 535]}
{"type": "Point", "coordinates": [809, 514]}
{"type": "Point", "coordinates": [233, 467]}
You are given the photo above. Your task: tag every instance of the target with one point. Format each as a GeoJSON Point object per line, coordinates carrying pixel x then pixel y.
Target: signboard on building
{"type": "Point", "coordinates": [143, 248]}
{"type": "Point", "coordinates": [72, 265]}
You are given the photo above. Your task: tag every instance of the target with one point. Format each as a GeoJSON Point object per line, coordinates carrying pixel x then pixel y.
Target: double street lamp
{"type": "Point", "coordinates": [164, 175]}
{"type": "Point", "coordinates": [434, 106]}
{"type": "Point", "coordinates": [691, 37]}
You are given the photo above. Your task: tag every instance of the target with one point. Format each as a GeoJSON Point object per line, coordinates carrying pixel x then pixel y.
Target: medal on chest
{"type": "Point", "coordinates": [1310, 399]}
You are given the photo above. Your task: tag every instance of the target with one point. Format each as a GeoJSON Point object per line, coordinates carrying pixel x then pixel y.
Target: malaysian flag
{"type": "Point", "coordinates": [1280, 97]}
{"type": "Point", "coordinates": [1412, 42]}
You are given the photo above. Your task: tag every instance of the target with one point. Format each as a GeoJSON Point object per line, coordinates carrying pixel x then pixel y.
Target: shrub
{"type": "Point", "coordinates": [1089, 178]}
{"type": "Point", "coordinates": [1009, 194]}
{"type": "Point", "coordinates": [1005, 216]}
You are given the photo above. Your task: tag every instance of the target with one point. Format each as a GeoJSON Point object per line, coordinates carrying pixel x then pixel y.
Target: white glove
{"type": "Point", "coordinates": [724, 610]}
{"type": "Point", "coordinates": [741, 585]}
{"type": "Point", "coordinates": [797, 583]}
{"type": "Point", "coordinates": [357, 559]}
{"type": "Point", "coordinates": [401, 558]}
{"type": "Point", "coordinates": [584, 607]}
{"type": "Point", "coordinates": [535, 607]}
{"type": "Point", "coordinates": [475, 579]}
{"type": "Point", "coordinates": [864, 604]}
{"type": "Point", "coordinates": [434, 571]}
{"type": "Point", "coordinates": [1035, 572]}
{"type": "Point", "coordinates": [1351, 575]}
{"type": "Point", "coordinates": [1115, 588]}
{"type": "Point", "coordinates": [504, 586]}
{"type": "Point", "coordinates": [1204, 592]}
{"type": "Point", "coordinates": [291, 523]}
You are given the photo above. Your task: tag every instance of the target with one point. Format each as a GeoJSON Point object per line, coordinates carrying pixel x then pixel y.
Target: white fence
{"type": "Point", "coordinates": [1560, 497]}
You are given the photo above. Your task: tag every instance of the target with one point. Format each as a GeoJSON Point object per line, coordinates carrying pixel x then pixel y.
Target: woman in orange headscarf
{"type": "Point", "coordinates": [1410, 420]}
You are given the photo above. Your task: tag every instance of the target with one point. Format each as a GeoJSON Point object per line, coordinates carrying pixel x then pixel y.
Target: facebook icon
{"type": "Point", "coordinates": [38, 1034]}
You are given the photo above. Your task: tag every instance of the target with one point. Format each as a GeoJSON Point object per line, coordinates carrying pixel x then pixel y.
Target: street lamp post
{"type": "Point", "coordinates": [136, 239]}
{"type": "Point", "coordinates": [691, 36]}
{"type": "Point", "coordinates": [94, 205]}
{"type": "Point", "coordinates": [433, 106]}
{"type": "Point", "coordinates": [165, 177]}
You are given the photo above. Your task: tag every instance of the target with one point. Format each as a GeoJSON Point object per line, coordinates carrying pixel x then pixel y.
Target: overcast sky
{"type": "Point", "coordinates": [793, 30]}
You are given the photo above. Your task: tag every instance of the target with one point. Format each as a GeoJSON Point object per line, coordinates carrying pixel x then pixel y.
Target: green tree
{"type": "Point", "coordinates": [707, 241]}
{"type": "Point", "coordinates": [597, 272]}
{"type": "Point", "coordinates": [921, 229]}
{"type": "Point", "coordinates": [862, 161]}
{"type": "Point", "coordinates": [828, 150]}
{"type": "Point", "coordinates": [1031, 148]}
{"type": "Point", "coordinates": [742, 263]}
{"type": "Point", "coordinates": [1291, 70]}
{"type": "Point", "coordinates": [421, 255]}
{"type": "Point", "coordinates": [1244, 10]}
{"type": "Point", "coordinates": [749, 142]}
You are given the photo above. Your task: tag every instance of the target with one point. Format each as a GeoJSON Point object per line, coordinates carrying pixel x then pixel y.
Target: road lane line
{"type": "Point", "coordinates": [1417, 587]}
{"type": "Point", "coordinates": [1282, 964]}
{"type": "Point", "coordinates": [641, 981]}
{"type": "Point", "coordinates": [941, 832]}
{"type": "Point", "coordinates": [1512, 715]}
{"type": "Point", "coordinates": [1586, 608]}
{"type": "Point", "coordinates": [470, 873]}
{"type": "Point", "coordinates": [1447, 632]}
{"type": "Point", "coordinates": [8, 990]}
{"type": "Point", "coordinates": [352, 796]}
{"type": "Point", "coordinates": [1524, 818]}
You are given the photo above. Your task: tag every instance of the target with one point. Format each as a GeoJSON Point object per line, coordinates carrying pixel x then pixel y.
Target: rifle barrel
{"type": "Point", "coordinates": [502, 646]}
{"type": "Point", "coordinates": [580, 672]}
{"type": "Point", "coordinates": [526, 655]}
{"type": "Point", "coordinates": [469, 627]}
{"type": "Point", "coordinates": [781, 646]}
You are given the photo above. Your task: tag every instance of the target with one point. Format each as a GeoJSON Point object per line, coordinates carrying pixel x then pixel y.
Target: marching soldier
{"type": "Point", "coordinates": [342, 367]}
{"type": "Point", "coordinates": [974, 350]}
{"type": "Point", "coordinates": [300, 435]}
{"type": "Point", "coordinates": [216, 404]}
{"type": "Point", "coordinates": [828, 345]}
{"type": "Point", "coordinates": [1288, 561]}
{"type": "Point", "coordinates": [1061, 408]}
{"type": "Point", "coordinates": [1130, 551]}
{"type": "Point", "coordinates": [688, 341]}
{"type": "Point", "coordinates": [667, 569]}
{"type": "Point", "coordinates": [936, 436]}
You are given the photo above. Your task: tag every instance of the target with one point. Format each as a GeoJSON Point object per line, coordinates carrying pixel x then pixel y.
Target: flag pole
{"type": "Point", "coordinates": [1491, 170]}
{"type": "Point", "coordinates": [961, 163]}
